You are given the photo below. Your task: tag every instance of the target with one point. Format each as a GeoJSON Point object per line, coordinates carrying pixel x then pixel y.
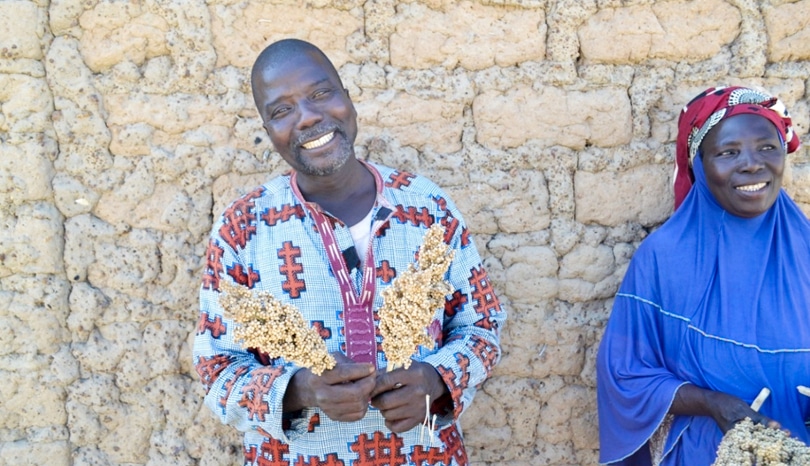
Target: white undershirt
{"type": "Point", "coordinates": [361, 235]}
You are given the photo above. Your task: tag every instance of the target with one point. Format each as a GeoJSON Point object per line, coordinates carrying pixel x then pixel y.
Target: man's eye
{"type": "Point", "coordinates": [322, 93]}
{"type": "Point", "coordinates": [279, 112]}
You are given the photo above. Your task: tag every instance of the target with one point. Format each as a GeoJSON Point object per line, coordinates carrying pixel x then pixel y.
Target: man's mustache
{"type": "Point", "coordinates": [314, 133]}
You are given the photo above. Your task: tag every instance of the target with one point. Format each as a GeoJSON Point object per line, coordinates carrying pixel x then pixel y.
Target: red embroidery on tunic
{"type": "Point", "coordinates": [486, 301]}
{"type": "Point", "coordinates": [290, 269]}
{"type": "Point", "coordinates": [380, 450]}
{"type": "Point", "coordinates": [213, 266]}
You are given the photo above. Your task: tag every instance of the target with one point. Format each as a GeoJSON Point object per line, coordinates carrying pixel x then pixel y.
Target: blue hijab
{"type": "Point", "coordinates": [715, 300]}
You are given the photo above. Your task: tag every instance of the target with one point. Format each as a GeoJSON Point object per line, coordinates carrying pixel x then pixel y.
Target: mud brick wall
{"type": "Point", "coordinates": [125, 126]}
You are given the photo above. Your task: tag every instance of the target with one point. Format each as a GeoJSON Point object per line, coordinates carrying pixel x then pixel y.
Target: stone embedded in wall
{"type": "Point", "coordinates": [591, 263]}
{"type": "Point", "coordinates": [87, 305]}
{"type": "Point", "coordinates": [21, 453]}
{"type": "Point", "coordinates": [37, 306]}
{"type": "Point", "coordinates": [696, 29]}
{"type": "Point", "coordinates": [131, 140]}
{"type": "Point", "coordinates": [531, 274]}
{"type": "Point", "coordinates": [788, 27]}
{"type": "Point", "coordinates": [129, 264]}
{"type": "Point", "coordinates": [413, 121]}
{"type": "Point", "coordinates": [119, 31]}
{"type": "Point", "coordinates": [572, 119]}
{"type": "Point", "coordinates": [18, 39]}
{"type": "Point", "coordinates": [605, 38]}
{"type": "Point", "coordinates": [25, 171]}
{"type": "Point", "coordinates": [559, 409]}
{"type": "Point", "coordinates": [463, 34]}
{"type": "Point", "coordinates": [71, 196]}
{"type": "Point", "coordinates": [680, 30]}
{"type": "Point", "coordinates": [512, 202]}
{"type": "Point", "coordinates": [82, 232]}
{"type": "Point", "coordinates": [115, 207]}
{"type": "Point", "coordinates": [641, 194]}
{"type": "Point", "coordinates": [241, 32]}
{"type": "Point", "coordinates": [529, 395]}
{"type": "Point", "coordinates": [29, 401]}
{"type": "Point", "coordinates": [161, 344]}
{"type": "Point", "coordinates": [26, 104]}
{"type": "Point", "coordinates": [800, 187]}
{"type": "Point", "coordinates": [32, 242]}
{"type": "Point", "coordinates": [63, 17]}
{"type": "Point", "coordinates": [101, 420]}
{"type": "Point", "coordinates": [174, 113]}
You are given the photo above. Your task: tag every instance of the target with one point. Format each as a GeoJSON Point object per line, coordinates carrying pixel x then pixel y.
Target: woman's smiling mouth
{"type": "Point", "coordinates": [751, 187]}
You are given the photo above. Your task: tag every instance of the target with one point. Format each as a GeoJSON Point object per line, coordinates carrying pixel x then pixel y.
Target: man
{"type": "Point", "coordinates": [327, 238]}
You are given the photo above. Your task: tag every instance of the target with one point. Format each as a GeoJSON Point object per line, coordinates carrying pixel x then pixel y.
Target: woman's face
{"type": "Point", "coordinates": [744, 160]}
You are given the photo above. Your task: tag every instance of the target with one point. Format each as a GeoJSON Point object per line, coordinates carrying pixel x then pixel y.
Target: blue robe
{"type": "Point", "coordinates": [714, 300]}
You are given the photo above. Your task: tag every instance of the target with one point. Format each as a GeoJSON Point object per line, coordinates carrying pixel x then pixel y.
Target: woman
{"type": "Point", "coordinates": [715, 304]}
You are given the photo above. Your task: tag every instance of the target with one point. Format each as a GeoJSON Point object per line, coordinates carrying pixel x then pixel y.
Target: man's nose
{"type": "Point", "coordinates": [310, 114]}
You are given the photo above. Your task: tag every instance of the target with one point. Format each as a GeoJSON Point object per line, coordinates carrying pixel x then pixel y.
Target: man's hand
{"type": "Point", "coordinates": [342, 392]}
{"type": "Point", "coordinates": [400, 395]}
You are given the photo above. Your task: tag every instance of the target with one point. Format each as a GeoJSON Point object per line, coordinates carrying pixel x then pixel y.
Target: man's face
{"type": "Point", "coordinates": [744, 161]}
{"type": "Point", "coordinates": [308, 115]}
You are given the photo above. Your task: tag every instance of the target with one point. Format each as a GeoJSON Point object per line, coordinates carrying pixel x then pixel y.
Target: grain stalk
{"type": "Point", "coordinates": [412, 299]}
{"type": "Point", "coordinates": [274, 327]}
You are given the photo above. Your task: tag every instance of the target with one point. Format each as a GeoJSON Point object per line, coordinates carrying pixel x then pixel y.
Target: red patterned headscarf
{"type": "Point", "coordinates": [709, 108]}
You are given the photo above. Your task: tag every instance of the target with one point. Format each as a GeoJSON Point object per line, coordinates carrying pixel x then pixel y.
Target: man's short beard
{"type": "Point", "coordinates": [344, 153]}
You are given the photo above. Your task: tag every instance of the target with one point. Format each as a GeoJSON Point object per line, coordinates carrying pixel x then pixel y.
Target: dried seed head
{"type": "Point", "coordinates": [748, 444]}
{"type": "Point", "coordinates": [274, 327]}
{"type": "Point", "coordinates": [412, 299]}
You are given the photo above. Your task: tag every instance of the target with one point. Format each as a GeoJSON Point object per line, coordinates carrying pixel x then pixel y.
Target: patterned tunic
{"type": "Point", "coordinates": [267, 240]}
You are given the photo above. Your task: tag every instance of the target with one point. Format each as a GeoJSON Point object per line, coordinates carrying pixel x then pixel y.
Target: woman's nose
{"type": "Point", "coordinates": [751, 159]}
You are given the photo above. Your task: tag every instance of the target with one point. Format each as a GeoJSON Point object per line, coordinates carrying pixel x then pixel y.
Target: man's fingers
{"type": "Point", "coordinates": [347, 372]}
{"type": "Point", "coordinates": [347, 413]}
{"type": "Point", "coordinates": [386, 382]}
{"type": "Point", "coordinates": [402, 425]}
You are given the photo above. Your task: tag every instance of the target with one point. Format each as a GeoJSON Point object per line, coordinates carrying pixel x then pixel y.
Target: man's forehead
{"type": "Point", "coordinates": [305, 68]}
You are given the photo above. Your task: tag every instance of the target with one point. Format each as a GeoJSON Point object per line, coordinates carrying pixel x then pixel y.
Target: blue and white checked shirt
{"type": "Point", "coordinates": [267, 240]}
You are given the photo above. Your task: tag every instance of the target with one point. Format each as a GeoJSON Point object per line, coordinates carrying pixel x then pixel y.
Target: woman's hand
{"type": "Point", "coordinates": [400, 395]}
{"type": "Point", "coordinates": [342, 392]}
{"type": "Point", "coordinates": [726, 410]}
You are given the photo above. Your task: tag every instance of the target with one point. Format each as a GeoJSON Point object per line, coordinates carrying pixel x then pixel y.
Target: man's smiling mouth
{"type": "Point", "coordinates": [318, 142]}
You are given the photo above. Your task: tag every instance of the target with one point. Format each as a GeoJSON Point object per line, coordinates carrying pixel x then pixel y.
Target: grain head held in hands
{"type": "Point", "coordinates": [274, 327]}
{"type": "Point", "coordinates": [755, 444]}
{"type": "Point", "coordinates": [412, 299]}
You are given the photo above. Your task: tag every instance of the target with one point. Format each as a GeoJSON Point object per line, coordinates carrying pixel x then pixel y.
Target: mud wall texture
{"type": "Point", "coordinates": [125, 126]}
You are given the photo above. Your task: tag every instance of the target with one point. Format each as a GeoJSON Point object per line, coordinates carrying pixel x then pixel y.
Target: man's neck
{"type": "Point", "coordinates": [347, 194]}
